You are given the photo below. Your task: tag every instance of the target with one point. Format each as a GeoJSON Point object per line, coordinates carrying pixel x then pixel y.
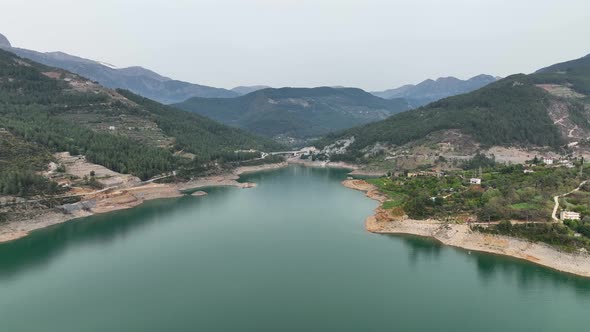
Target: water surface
{"type": "Point", "coordinates": [289, 255]}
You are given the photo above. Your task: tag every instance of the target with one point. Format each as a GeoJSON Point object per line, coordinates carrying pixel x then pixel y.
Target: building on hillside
{"type": "Point", "coordinates": [475, 181]}
{"type": "Point", "coordinates": [565, 215]}
{"type": "Point", "coordinates": [548, 161]}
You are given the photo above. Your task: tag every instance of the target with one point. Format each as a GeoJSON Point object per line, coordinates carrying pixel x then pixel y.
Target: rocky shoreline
{"type": "Point", "coordinates": [461, 236]}
{"type": "Point", "coordinates": [123, 198]}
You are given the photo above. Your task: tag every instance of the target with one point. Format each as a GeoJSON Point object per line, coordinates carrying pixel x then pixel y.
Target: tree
{"type": "Point", "coordinates": [504, 227]}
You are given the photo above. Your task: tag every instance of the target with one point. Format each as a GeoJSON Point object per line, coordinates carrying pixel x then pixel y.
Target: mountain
{"type": "Point", "coordinates": [44, 110]}
{"type": "Point", "coordinates": [296, 113]}
{"type": "Point", "coordinates": [550, 108]}
{"type": "Point", "coordinates": [583, 62]}
{"type": "Point", "coordinates": [430, 90]}
{"type": "Point", "coordinates": [136, 79]}
{"type": "Point", "coordinates": [244, 90]}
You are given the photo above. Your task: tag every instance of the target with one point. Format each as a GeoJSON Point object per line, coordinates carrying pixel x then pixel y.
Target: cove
{"type": "Point", "coordinates": [291, 254]}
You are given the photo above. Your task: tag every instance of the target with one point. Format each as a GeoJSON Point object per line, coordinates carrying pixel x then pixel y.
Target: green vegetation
{"type": "Point", "coordinates": [508, 112]}
{"type": "Point", "coordinates": [17, 159]}
{"type": "Point", "coordinates": [578, 201]}
{"type": "Point", "coordinates": [45, 113]}
{"type": "Point", "coordinates": [506, 192]}
{"type": "Point", "coordinates": [296, 112]}
{"type": "Point", "coordinates": [557, 235]}
{"type": "Point", "coordinates": [197, 134]}
{"type": "Point", "coordinates": [574, 73]}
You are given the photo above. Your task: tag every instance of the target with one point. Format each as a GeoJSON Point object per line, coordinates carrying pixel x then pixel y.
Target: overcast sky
{"type": "Point", "coordinates": [371, 44]}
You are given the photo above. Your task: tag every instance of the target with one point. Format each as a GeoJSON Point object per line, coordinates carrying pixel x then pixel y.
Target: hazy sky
{"type": "Point", "coordinates": [370, 44]}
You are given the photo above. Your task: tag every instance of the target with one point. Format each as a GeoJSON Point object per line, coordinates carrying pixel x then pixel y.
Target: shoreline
{"type": "Point", "coordinates": [461, 236]}
{"type": "Point", "coordinates": [124, 198]}
{"type": "Point", "coordinates": [381, 222]}
{"type": "Point", "coordinates": [322, 164]}
{"type": "Point", "coordinates": [355, 170]}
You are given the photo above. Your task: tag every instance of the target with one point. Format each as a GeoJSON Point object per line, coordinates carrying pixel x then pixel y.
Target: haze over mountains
{"type": "Point", "coordinates": [294, 114]}
{"type": "Point", "coordinates": [290, 115]}
{"type": "Point", "coordinates": [136, 79]}
{"type": "Point", "coordinates": [433, 90]}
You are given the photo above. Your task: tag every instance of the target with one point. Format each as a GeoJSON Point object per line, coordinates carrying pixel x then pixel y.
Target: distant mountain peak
{"type": "Point", "coordinates": [483, 76]}
{"type": "Point", "coordinates": [431, 90]}
{"type": "Point", "coordinates": [447, 79]}
{"type": "Point", "coordinates": [244, 90]}
{"type": "Point", "coordinates": [4, 42]}
{"type": "Point", "coordinates": [139, 80]}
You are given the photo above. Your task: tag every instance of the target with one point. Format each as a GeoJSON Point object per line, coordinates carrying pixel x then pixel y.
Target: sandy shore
{"type": "Point", "coordinates": [120, 199]}
{"type": "Point", "coordinates": [461, 236]}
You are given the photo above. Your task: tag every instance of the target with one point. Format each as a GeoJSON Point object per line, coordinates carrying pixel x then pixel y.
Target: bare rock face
{"type": "Point", "coordinates": [4, 41]}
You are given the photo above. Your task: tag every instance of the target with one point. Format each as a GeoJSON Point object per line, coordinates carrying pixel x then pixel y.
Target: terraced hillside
{"type": "Point", "coordinates": [45, 110]}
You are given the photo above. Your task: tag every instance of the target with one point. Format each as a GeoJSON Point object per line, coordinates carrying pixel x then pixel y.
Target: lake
{"type": "Point", "coordinates": [289, 255]}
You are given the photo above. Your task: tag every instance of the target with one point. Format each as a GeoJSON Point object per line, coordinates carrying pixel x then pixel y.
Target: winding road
{"type": "Point", "coordinates": [556, 200]}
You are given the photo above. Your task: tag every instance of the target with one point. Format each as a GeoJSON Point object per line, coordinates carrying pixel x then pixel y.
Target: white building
{"type": "Point", "coordinates": [475, 181]}
{"type": "Point", "coordinates": [548, 161]}
{"type": "Point", "coordinates": [563, 215]}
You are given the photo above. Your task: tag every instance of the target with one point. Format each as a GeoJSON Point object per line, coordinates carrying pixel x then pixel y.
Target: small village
{"type": "Point", "coordinates": [544, 191]}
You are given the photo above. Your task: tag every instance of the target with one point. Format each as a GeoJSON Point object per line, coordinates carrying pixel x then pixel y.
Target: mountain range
{"type": "Point", "coordinates": [139, 80]}
{"type": "Point", "coordinates": [294, 114]}
{"type": "Point", "coordinates": [432, 90]}
{"type": "Point", "coordinates": [44, 110]}
{"type": "Point", "coordinates": [550, 108]}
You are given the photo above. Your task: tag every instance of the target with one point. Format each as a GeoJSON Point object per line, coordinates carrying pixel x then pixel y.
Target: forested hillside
{"type": "Point", "coordinates": [583, 62]}
{"type": "Point", "coordinates": [45, 110]}
{"type": "Point", "coordinates": [298, 113]}
{"type": "Point", "coordinates": [574, 74]}
{"type": "Point", "coordinates": [521, 110]}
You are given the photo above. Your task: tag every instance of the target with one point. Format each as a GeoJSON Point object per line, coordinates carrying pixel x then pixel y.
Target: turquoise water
{"type": "Point", "coordinates": [289, 255]}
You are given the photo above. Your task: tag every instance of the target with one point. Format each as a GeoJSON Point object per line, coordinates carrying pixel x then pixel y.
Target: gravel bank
{"type": "Point", "coordinates": [461, 236]}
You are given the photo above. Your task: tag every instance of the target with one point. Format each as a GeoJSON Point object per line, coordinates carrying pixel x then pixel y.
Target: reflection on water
{"type": "Point", "coordinates": [42, 246]}
{"type": "Point", "coordinates": [491, 267]}
{"type": "Point", "coordinates": [527, 274]}
{"type": "Point", "coordinates": [420, 248]}
{"type": "Point", "coordinates": [291, 252]}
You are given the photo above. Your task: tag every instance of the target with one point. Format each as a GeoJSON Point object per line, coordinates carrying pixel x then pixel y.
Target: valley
{"type": "Point", "coordinates": [72, 148]}
{"type": "Point", "coordinates": [296, 116]}
{"type": "Point", "coordinates": [228, 166]}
